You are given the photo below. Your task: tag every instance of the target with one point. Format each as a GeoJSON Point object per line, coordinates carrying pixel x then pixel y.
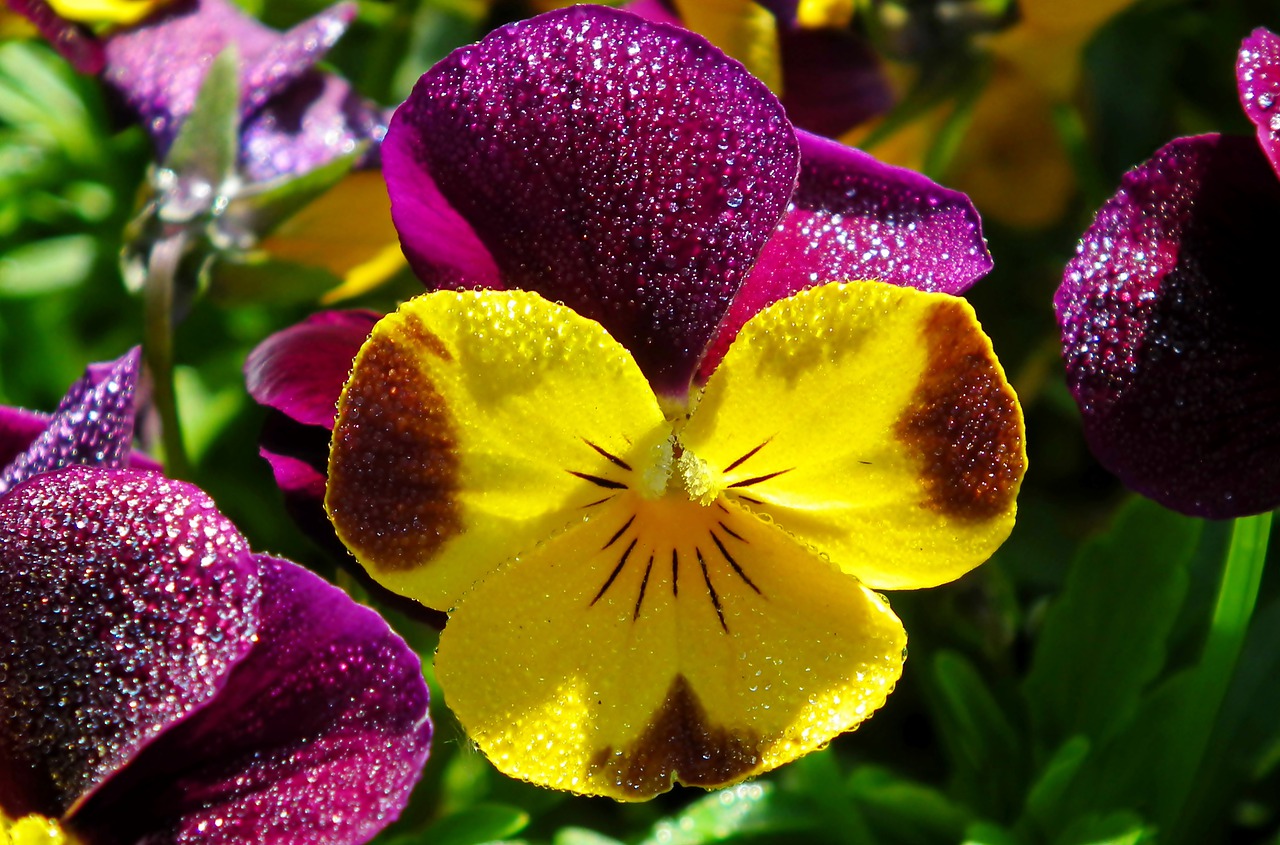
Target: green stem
{"type": "Point", "coordinates": [1237, 595]}
{"type": "Point", "coordinates": [162, 268]}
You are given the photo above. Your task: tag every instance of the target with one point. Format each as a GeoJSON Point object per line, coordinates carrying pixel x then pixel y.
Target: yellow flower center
{"type": "Point", "coordinates": [32, 830]}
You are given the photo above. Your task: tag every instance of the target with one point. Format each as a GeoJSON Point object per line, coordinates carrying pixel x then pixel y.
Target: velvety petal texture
{"type": "Point", "coordinates": [92, 426]}
{"type": "Point", "coordinates": [1258, 77]}
{"type": "Point", "coordinates": [125, 599]}
{"type": "Point", "coordinates": [317, 737]}
{"type": "Point", "coordinates": [159, 66]}
{"type": "Point", "coordinates": [1167, 315]}
{"type": "Point", "coordinates": [853, 218]}
{"type": "Point", "coordinates": [638, 195]}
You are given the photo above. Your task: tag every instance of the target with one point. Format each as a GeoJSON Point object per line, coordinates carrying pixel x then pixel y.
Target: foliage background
{"type": "Point", "coordinates": [1060, 694]}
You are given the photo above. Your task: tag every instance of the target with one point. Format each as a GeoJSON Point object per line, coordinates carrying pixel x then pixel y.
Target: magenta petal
{"type": "Point", "coordinates": [628, 169]}
{"type": "Point", "coordinates": [160, 65]}
{"type": "Point", "coordinates": [831, 80]}
{"type": "Point", "coordinates": [125, 598]}
{"type": "Point", "coordinates": [1168, 329]}
{"type": "Point", "coordinates": [318, 736]}
{"type": "Point", "coordinates": [1258, 78]}
{"type": "Point", "coordinates": [93, 425]}
{"type": "Point", "coordinates": [73, 42]}
{"type": "Point", "coordinates": [300, 371]}
{"type": "Point", "coordinates": [18, 428]}
{"type": "Point", "coordinates": [855, 218]}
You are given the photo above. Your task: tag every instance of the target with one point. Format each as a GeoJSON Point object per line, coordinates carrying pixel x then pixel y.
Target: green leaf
{"type": "Point", "coordinates": [984, 833]}
{"type": "Point", "coordinates": [259, 209]}
{"type": "Point", "coordinates": [582, 836]}
{"type": "Point", "coordinates": [477, 824]}
{"type": "Point", "coordinates": [259, 278]}
{"type": "Point", "coordinates": [749, 808]}
{"type": "Point", "coordinates": [905, 811]}
{"type": "Point", "coordinates": [1104, 639]}
{"type": "Point", "coordinates": [1118, 828]}
{"type": "Point", "coordinates": [207, 145]}
{"type": "Point", "coordinates": [987, 752]}
{"type": "Point", "coordinates": [1047, 794]}
{"type": "Point", "coordinates": [41, 267]}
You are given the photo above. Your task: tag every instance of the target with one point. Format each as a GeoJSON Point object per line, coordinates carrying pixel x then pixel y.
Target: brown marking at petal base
{"type": "Point", "coordinates": [681, 743]}
{"type": "Point", "coordinates": [393, 468]}
{"type": "Point", "coordinates": [964, 422]}
{"type": "Point", "coordinates": [422, 337]}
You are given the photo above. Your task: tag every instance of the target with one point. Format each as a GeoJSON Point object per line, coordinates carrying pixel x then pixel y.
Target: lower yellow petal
{"type": "Point", "coordinates": [122, 12]}
{"type": "Point", "coordinates": [665, 641]}
{"type": "Point", "coordinates": [872, 422]}
{"type": "Point", "coordinates": [32, 830]}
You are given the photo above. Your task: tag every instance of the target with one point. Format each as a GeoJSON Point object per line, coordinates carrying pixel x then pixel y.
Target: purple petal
{"type": "Point", "coordinates": [300, 371]}
{"type": "Point", "coordinates": [1168, 330]}
{"type": "Point", "coordinates": [831, 80]}
{"type": "Point", "coordinates": [93, 425]}
{"type": "Point", "coordinates": [855, 218]}
{"type": "Point", "coordinates": [73, 42]}
{"type": "Point", "coordinates": [18, 428]}
{"type": "Point", "coordinates": [1258, 77]}
{"type": "Point", "coordinates": [125, 598]}
{"type": "Point", "coordinates": [313, 121]}
{"type": "Point", "coordinates": [628, 169]}
{"type": "Point", "coordinates": [318, 736]}
{"type": "Point", "coordinates": [159, 66]}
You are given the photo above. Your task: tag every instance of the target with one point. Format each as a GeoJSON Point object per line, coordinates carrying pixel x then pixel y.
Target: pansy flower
{"type": "Point", "coordinates": [1169, 348]}
{"type": "Point", "coordinates": [649, 581]}
{"type": "Point", "coordinates": [163, 683]}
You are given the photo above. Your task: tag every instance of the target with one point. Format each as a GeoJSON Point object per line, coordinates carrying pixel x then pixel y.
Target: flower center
{"type": "Point", "coordinates": [32, 830]}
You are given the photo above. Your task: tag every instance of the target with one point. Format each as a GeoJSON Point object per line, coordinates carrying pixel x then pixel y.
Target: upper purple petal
{"type": "Point", "coordinates": [627, 169]}
{"type": "Point", "coordinates": [18, 428]}
{"type": "Point", "coordinates": [1168, 329]}
{"type": "Point", "coordinates": [313, 121]}
{"type": "Point", "coordinates": [73, 42]}
{"type": "Point", "coordinates": [1258, 78]}
{"type": "Point", "coordinates": [317, 737]}
{"type": "Point", "coordinates": [300, 370]}
{"type": "Point", "coordinates": [93, 425]}
{"type": "Point", "coordinates": [125, 599]}
{"type": "Point", "coordinates": [831, 80]}
{"type": "Point", "coordinates": [160, 65]}
{"type": "Point", "coordinates": [855, 218]}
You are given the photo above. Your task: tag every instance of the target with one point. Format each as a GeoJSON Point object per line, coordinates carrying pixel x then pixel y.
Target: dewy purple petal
{"type": "Point", "coordinates": [159, 66]}
{"type": "Point", "coordinates": [627, 169]}
{"type": "Point", "coordinates": [18, 429]}
{"type": "Point", "coordinates": [92, 426]}
{"type": "Point", "coordinates": [125, 599]}
{"type": "Point", "coordinates": [1167, 315]}
{"type": "Point", "coordinates": [855, 218]}
{"type": "Point", "coordinates": [300, 370]}
{"type": "Point", "coordinates": [318, 736]}
{"type": "Point", "coordinates": [313, 121]}
{"type": "Point", "coordinates": [1258, 79]}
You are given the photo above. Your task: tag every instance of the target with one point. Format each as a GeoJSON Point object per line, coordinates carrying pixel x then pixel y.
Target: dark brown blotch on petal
{"type": "Point", "coordinates": [964, 422]}
{"type": "Point", "coordinates": [393, 468]}
{"type": "Point", "coordinates": [681, 743]}
{"type": "Point", "coordinates": [422, 337]}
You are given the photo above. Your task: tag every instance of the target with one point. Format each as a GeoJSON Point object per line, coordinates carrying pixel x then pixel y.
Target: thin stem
{"type": "Point", "coordinates": [162, 268]}
{"type": "Point", "coordinates": [1237, 596]}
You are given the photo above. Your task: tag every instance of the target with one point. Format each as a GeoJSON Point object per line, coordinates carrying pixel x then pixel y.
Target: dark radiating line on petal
{"type": "Point", "coordinates": [728, 557]}
{"type": "Point", "coordinates": [745, 457]}
{"type": "Point", "coordinates": [715, 599]}
{"type": "Point", "coordinates": [612, 458]}
{"type": "Point", "coordinates": [644, 582]}
{"type": "Point", "coordinates": [734, 534]}
{"type": "Point", "coordinates": [598, 502]}
{"type": "Point", "coordinates": [606, 483]}
{"type": "Point", "coordinates": [865, 463]}
{"type": "Point", "coordinates": [749, 499]}
{"type": "Point", "coordinates": [721, 506]}
{"type": "Point", "coordinates": [622, 561]}
{"type": "Point", "coordinates": [747, 482]}
{"type": "Point", "coordinates": [675, 572]}
{"type": "Point", "coordinates": [619, 533]}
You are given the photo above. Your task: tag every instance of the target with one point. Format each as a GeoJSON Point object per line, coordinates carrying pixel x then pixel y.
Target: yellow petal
{"type": "Point", "coordinates": [872, 422]}
{"type": "Point", "coordinates": [664, 641]}
{"type": "Point", "coordinates": [32, 830]}
{"type": "Point", "coordinates": [122, 12]}
{"type": "Point", "coordinates": [746, 31]}
{"type": "Point", "coordinates": [347, 231]}
{"type": "Point", "coordinates": [476, 424]}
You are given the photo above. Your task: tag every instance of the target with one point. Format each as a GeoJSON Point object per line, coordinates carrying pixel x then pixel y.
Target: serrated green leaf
{"type": "Point", "coordinates": [1104, 639]}
{"type": "Point", "coordinates": [749, 808]}
{"type": "Point", "coordinates": [987, 752]}
{"type": "Point", "coordinates": [207, 145]}
{"type": "Point", "coordinates": [479, 823]}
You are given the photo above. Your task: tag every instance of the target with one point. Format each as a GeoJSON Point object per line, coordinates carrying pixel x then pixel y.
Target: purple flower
{"type": "Point", "coordinates": [161, 682]}
{"type": "Point", "coordinates": [1166, 330]}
